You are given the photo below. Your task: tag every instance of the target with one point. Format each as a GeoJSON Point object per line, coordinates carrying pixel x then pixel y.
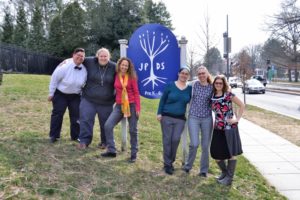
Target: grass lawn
{"type": "Point", "coordinates": [32, 168]}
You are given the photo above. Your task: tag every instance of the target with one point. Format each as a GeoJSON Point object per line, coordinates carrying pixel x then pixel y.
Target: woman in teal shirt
{"type": "Point", "coordinates": [171, 114]}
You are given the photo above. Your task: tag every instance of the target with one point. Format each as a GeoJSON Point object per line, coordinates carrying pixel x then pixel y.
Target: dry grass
{"type": "Point", "coordinates": [286, 127]}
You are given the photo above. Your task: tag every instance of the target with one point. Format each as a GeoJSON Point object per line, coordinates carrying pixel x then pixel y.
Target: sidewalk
{"type": "Point", "coordinates": [277, 159]}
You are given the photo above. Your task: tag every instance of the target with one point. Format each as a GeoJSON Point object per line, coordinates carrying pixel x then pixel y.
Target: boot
{"type": "Point", "coordinates": [230, 173]}
{"type": "Point", "coordinates": [222, 166]}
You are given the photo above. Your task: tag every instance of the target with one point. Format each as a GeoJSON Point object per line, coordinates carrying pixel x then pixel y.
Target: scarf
{"type": "Point", "coordinates": [125, 102]}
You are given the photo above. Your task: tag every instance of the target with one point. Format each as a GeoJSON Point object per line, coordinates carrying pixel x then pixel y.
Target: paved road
{"type": "Point", "coordinates": [285, 104]}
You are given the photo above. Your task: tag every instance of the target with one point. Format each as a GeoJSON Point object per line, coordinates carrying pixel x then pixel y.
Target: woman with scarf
{"type": "Point", "coordinates": [127, 105]}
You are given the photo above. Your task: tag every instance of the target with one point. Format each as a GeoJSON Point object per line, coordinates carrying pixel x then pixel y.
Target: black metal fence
{"type": "Point", "coordinates": [16, 59]}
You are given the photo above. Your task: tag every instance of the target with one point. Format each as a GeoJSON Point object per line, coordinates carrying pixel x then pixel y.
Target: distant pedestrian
{"type": "Point", "coordinates": [98, 97]}
{"type": "Point", "coordinates": [200, 121]}
{"type": "Point", "coordinates": [226, 143]}
{"type": "Point", "coordinates": [127, 105]}
{"type": "Point", "coordinates": [65, 87]}
{"type": "Point", "coordinates": [171, 114]}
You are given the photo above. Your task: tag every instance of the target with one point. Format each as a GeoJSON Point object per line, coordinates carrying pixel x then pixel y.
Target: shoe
{"type": "Point", "coordinates": [75, 139]}
{"type": "Point", "coordinates": [81, 146]}
{"type": "Point", "coordinates": [168, 170]}
{"type": "Point", "coordinates": [102, 146]}
{"type": "Point", "coordinates": [186, 170]}
{"type": "Point", "coordinates": [230, 173]}
{"type": "Point", "coordinates": [108, 154]}
{"type": "Point", "coordinates": [202, 174]}
{"type": "Point", "coordinates": [132, 159]}
{"type": "Point", "coordinates": [223, 167]}
{"type": "Point", "coordinates": [172, 168]}
{"type": "Point", "coordinates": [53, 140]}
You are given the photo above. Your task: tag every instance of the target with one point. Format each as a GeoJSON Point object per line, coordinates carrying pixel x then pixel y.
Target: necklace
{"type": "Point", "coordinates": [102, 74]}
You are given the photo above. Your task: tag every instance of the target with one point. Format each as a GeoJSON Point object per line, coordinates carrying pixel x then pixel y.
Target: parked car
{"type": "Point", "coordinates": [253, 86]}
{"type": "Point", "coordinates": [261, 79]}
{"type": "Point", "coordinates": [233, 82]}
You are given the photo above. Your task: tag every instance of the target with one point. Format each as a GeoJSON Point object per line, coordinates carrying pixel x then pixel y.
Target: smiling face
{"type": "Point", "coordinates": [202, 75]}
{"type": "Point", "coordinates": [78, 57]}
{"type": "Point", "coordinates": [183, 75]}
{"type": "Point", "coordinates": [103, 56]}
{"type": "Point", "coordinates": [124, 66]}
{"type": "Point", "coordinates": [218, 84]}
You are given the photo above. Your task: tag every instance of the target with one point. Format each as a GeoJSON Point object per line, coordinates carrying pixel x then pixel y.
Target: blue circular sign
{"type": "Point", "coordinates": [154, 51]}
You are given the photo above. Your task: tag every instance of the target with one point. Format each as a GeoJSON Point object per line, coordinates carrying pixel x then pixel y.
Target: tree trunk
{"type": "Point", "coordinates": [290, 75]}
{"type": "Point", "coordinates": [296, 75]}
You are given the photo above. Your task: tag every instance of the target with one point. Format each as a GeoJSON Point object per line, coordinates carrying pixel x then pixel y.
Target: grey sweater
{"type": "Point", "coordinates": [99, 87]}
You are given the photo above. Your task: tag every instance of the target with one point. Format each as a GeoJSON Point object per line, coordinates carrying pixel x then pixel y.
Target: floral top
{"type": "Point", "coordinates": [222, 107]}
{"type": "Point", "coordinates": [200, 105]}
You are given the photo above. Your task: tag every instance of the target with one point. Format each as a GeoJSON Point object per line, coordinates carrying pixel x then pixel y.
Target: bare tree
{"type": "Point", "coordinates": [285, 27]}
{"type": "Point", "coordinates": [206, 41]}
{"type": "Point", "coordinates": [254, 52]}
{"type": "Point", "coordinates": [242, 67]}
{"type": "Point", "coordinates": [192, 60]}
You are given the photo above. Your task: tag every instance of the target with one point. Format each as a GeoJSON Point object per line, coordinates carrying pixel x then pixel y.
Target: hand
{"type": "Point", "coordinates": [232, 121]}
{"type": "Point", "coordinates": [137, 113]}
{"type": "Point", "coordinates": [158, 117]}
{"type": "Point", "coordinates": [50, 98]}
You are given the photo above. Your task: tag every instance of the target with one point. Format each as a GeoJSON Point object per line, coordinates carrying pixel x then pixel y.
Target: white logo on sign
{"type": "Point", "coordinates": [148, 45]}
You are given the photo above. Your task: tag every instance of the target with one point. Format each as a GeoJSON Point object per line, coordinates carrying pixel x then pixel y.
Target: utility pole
{"type": "Point", "coordinates": [227, 47]}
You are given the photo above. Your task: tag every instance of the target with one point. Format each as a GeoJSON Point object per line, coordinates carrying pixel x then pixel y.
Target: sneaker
{"type": "Point", "coordinates": [108, 154]}
{"type": "Point", "coordinates": [81, 146]}
{"type": "Point", "coordinates": [202, 174]}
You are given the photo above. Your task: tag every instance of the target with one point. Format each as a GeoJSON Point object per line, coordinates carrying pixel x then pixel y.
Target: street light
{"type": "Point", "coordinates": [227, 47]}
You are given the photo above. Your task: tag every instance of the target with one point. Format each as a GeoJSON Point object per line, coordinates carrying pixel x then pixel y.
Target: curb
{"type": "Point", "coordinates": [284, 91]}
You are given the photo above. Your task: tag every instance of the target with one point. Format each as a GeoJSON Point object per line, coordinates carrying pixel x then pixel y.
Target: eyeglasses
{"type": "Point", "coordinates": [201, 73]}
{"type": "Point", "coordinates": [218, 83]}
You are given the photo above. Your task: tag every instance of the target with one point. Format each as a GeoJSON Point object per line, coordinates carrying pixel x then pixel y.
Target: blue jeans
{"type": "Point", "coordinates": [196, 124]}
{"type": "Point", "coordinates": [88, 111]}
{"type": "Point", "coordinates": [115, 117]}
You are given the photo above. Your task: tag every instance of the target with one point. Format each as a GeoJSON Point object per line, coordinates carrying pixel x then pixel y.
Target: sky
{"type": "Point", "coordinates": [246, 20]}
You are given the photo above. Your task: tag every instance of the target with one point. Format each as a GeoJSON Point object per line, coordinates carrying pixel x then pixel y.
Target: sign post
{"type": "Point", "coordinates": [182, 44]}
{"type": "Point", "coordinates": [123, 48]}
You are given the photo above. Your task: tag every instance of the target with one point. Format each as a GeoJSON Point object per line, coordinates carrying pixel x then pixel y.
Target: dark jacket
{"type": "Point", "coordinates": [97, 90]}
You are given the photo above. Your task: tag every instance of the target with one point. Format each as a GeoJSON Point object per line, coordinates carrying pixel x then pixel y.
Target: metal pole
{"type": "Point", "coordinates": [227, 48]}
{"type": "Point", "coordinates": [123, 53]}
{"type": "Point", "coordinates": [183, 62]}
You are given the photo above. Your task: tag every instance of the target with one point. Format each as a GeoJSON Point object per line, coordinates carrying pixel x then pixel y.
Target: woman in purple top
{"type": "Point", "coordinates": [200, 118]}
